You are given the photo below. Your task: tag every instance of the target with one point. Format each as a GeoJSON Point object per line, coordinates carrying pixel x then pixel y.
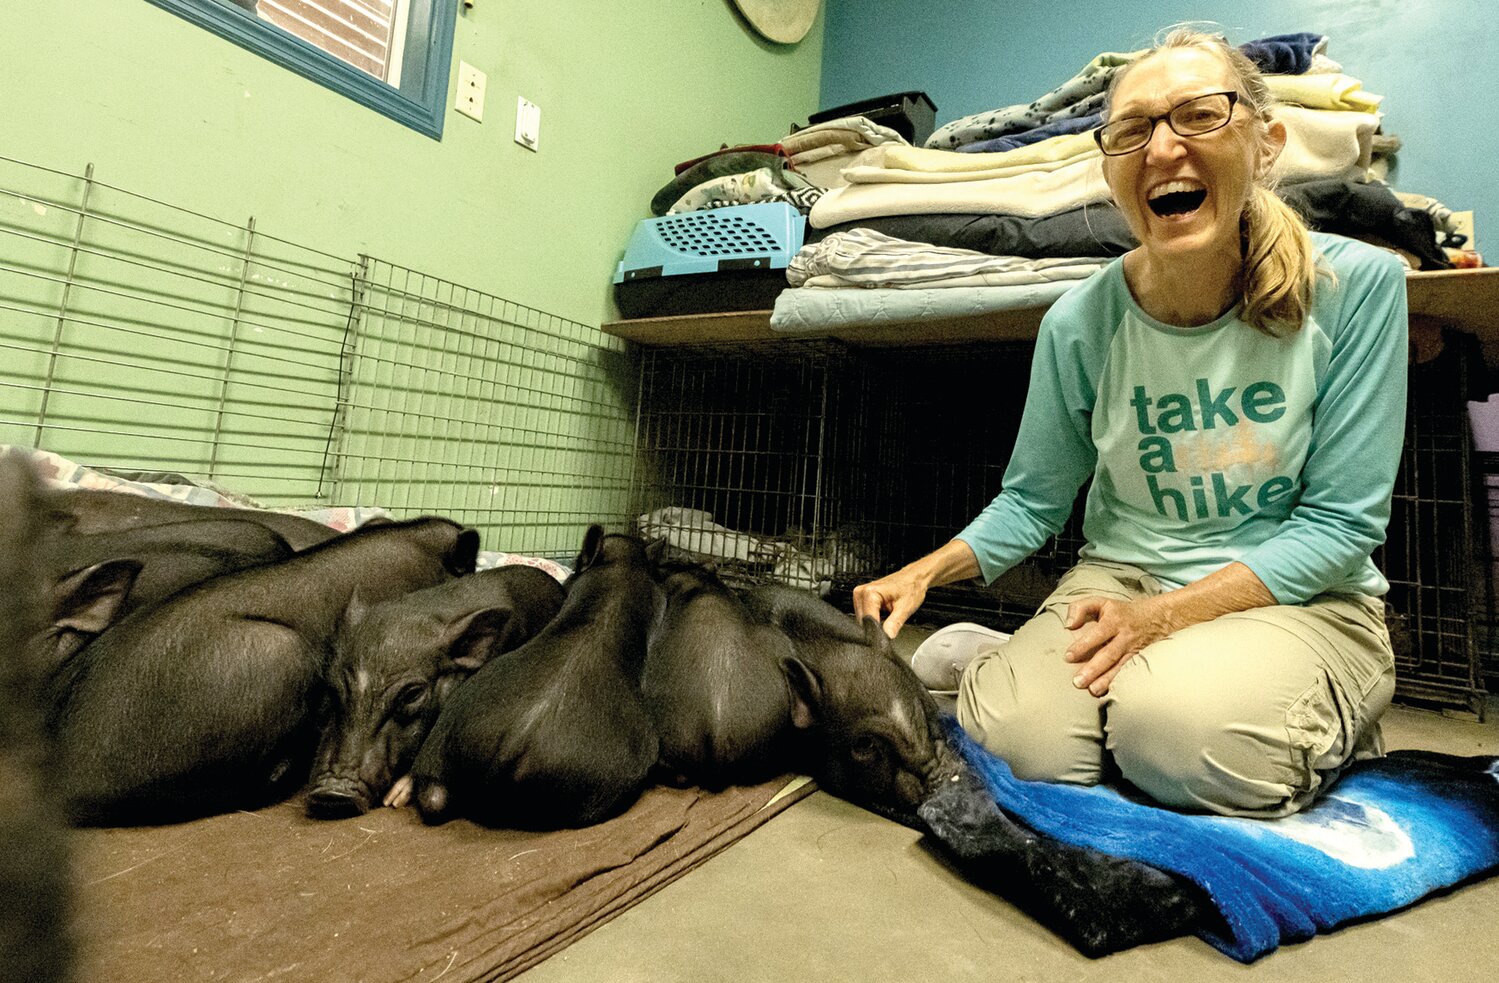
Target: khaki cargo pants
{"type": "Point", "coordinates": [1246, 715]}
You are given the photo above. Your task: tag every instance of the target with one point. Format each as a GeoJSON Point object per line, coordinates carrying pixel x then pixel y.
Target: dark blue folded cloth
{"type": "Point", "coordinates": [1283, 54]}
{"type": "Point", "coordinates": [1389, 832]}
{"type": "Point", "coordinates": [1056, 128]}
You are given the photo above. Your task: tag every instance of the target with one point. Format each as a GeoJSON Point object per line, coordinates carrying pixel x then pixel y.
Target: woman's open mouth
{"type": "Point", "coordinates": [1177, 199]}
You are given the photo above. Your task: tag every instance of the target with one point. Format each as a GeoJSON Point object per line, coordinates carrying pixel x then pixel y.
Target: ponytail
{"type": "Point", "coordinates": [1280, 265]}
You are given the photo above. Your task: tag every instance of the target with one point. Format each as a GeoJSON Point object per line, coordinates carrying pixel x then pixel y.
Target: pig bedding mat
{"type": "Point", "coordinates": [1107, 872]}
{"type": "Point", "coordinates": [274, 895]}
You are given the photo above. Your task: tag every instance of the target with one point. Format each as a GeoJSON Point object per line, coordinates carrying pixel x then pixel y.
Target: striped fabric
{"type": "Point", "coordinates": [865, 258]}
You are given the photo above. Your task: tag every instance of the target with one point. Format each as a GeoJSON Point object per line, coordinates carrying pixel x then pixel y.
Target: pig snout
{"type": "Point", "coordinates": [338, 797]}
{"type": "Point", "coordinates": [350, 783]}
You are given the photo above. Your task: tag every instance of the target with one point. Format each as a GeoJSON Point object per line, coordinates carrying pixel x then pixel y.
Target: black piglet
{"type": "Point", "coordinates": [555, 733]}
{"type": "Point", "coordinates": [715, 687]}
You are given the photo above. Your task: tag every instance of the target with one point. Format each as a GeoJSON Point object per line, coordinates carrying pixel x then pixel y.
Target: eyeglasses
{"type": "Point", "coordinates": [1193, 118]}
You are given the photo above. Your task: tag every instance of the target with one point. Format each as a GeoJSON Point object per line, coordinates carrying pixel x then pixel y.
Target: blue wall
{"type": "Point", "coordinates": [1435, 61]}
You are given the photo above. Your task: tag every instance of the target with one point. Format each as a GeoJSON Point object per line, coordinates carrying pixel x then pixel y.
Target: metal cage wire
{"type": "Point", "coordinates": [1432, 555]}
{"type": "Point", "coordinates": [143, 336]}
{"type": "Point", "coordinates": [907, 446]}
{"type": "Point", "coordinates": [744, 457]}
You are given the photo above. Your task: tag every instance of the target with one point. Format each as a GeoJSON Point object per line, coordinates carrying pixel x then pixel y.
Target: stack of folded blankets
{"type": "Point", "coordinates": [795, 171]}
{"type": "Point", "coordinates": [1008, 208]}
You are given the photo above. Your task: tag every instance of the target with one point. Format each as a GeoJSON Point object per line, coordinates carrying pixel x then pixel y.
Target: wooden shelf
{"type": "Point", "coordinates": [696, 329]}
{"type": "Point", "coordinates": [1465, 299]}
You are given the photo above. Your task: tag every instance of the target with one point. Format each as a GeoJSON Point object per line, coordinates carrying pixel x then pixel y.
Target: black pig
{"type": "Point", "coordinates": [714, 685]}
{"type": "Point", "coordinates": [394, 665]}
{"type": "Point", "coordinates": [87, 511]}
{"type": "Point", "coordinates": [34, 868]}
{"type": "Point", "coordinates": [83, 604]}
{"type": "Point", "coordinates": [171, 557]}
{"type": "Point", "coordinates": [874, 733]}
{"type": "Point", "coordinates": [555, 734]}
{"type": "Point", "coordinates": [210, 701]}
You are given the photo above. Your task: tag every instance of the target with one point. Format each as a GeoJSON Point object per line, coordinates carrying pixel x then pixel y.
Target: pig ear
{"type": "Point", "coordinates": [806, 692]}
{"type": "Point", "coordinates": [354, 611]}
{"type": "Point", "coordinates": [875, 638]}
{"type": "Point", "coordinates": [89, 600]}
{"type": "Point", "coordinates": [461, 559]}
{"type": "Point", "coordinates": [473, 638]}
{"type": "Point", "coordinates": [593, 548]}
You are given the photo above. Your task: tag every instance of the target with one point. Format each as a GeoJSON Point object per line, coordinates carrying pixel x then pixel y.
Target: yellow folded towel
{"type": "Point", "coordinates": [1054, 151]}
{"type": "Point", "coordinates": [1330, 91]}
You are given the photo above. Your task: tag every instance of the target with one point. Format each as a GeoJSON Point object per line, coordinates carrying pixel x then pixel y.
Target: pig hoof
{"type": "Point", "coordinates": [432, 800]}
{"type": "Point", "coordinates": [399, 795]}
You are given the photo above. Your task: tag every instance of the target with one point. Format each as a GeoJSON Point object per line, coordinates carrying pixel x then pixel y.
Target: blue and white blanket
{"type": "Point", "coordinates": [1388, 833]}
{"type": "Point", "coordinates": [819, 310]}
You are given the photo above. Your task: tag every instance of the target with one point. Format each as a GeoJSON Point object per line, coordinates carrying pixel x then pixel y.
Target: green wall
{"type": "Point", "coordinates": [626, 89]}
{"type": "Point", "coordinates": [216, 353]}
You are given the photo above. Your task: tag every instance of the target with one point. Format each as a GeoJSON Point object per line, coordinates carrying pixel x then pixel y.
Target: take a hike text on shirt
{"type": "Point", "coordinates": [1215, 443]}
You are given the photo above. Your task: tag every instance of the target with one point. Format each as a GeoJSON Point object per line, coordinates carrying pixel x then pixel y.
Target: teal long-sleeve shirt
{"type": "Point", "coordinates": [1216, 443]}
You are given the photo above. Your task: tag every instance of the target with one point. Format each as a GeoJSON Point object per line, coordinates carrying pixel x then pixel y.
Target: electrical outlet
{"type": "Point", "coordinates": [1464, 223]}
{"type": "Point", "coordinates": [527, 123]}
{"type": "Point", "coordinates": [470, 98]}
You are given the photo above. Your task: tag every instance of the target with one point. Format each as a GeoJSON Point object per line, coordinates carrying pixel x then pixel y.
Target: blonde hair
{"type": "Point", "coordinates": [1280, 265]}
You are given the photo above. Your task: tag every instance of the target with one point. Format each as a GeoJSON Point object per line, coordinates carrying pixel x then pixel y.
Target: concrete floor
{"type": "Point", "coordinates": [829, 892]}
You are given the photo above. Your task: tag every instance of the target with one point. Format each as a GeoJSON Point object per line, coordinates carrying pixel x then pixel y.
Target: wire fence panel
{"type": "Point", "coordinates": [144, 337]}
{"type": "Point", "coordinates": [506, 418]}
{"type": "Point", "coordinates": [139, 336]}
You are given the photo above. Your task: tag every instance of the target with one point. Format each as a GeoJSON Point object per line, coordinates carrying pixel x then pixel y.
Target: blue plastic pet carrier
{"type": "Point", "coordinates": [722, 259]}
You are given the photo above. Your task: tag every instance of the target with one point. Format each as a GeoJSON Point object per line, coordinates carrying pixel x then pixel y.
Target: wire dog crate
{"type": "Point", "coordinates": [1486, 610]}
{"type": "Point", "coordinates": [812, 464]}
{"type": "Point", "coordinates": [1434, 550]}
{"type": "Point", "coordinates": [854, 462]}
{"type": "Point", "coordinates": [947, 420]}
{"type": "Point", "coordinates": [143, 336]}
{"type": "Point", "coordinates": [745, 458]}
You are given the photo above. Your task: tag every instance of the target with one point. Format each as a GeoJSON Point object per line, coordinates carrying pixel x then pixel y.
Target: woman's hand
{"type": "Point", "coordinates": [899, 594]}
{"type": "Point", "coordinates": [902, 592]}
{"type": "Point", "coordinates": [1111, 632]}
{"type": "Point", "coordinates": [1108, 633]}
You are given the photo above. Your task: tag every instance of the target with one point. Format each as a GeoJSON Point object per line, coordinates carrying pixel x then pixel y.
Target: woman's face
{"type": "Point", "coordinates": [1214, 170]}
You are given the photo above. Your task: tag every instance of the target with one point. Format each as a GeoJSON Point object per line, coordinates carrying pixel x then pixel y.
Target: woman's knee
{"type": "Point", "coordinates": [1019, 701]}
{"type": "Point", "coordinates": [1044, 729]}
{"type": "Point", "coordinates": [1225, 751]}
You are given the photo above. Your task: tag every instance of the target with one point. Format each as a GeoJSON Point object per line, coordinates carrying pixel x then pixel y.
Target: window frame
{"type": "Point", "coordinates": [420, 102]}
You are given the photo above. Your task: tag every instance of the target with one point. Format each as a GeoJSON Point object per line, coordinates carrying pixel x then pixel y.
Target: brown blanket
{"type": "Point", "coordinates": [273, 895]}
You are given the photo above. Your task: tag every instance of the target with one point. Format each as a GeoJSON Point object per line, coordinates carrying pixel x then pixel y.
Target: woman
{"type": "Point", "coordinates": [1235, 388]}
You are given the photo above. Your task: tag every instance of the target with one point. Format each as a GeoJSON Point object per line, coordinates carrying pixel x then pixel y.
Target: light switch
{"type": "Point", "coordinates": [527, 123]}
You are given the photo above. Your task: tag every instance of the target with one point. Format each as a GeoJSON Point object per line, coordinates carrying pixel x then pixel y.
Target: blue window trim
{"type": "Point", "coordinates": [420, 103]}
